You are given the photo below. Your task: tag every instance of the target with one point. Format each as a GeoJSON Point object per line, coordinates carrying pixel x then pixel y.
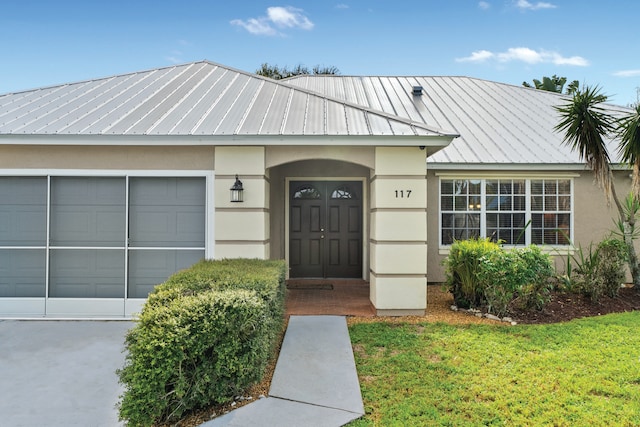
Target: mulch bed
{"type": "Point", "coordinates": [567, 306]}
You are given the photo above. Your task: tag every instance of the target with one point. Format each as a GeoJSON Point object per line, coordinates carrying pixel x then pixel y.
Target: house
{"type": "Point", "coordinates": [108, 186]}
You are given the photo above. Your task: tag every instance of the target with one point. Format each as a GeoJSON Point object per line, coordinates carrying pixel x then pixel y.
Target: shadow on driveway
{"type": "Point", "coordinates": [60, 373]}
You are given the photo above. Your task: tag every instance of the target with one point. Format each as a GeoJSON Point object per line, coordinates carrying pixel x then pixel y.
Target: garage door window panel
{"type": "Point", "coordinates": [147, 268]}
{"type": "Point", "coordinates": [167, 212]}
{"type": "Point", "coordinates": [22, 273]}
{"type": "Point", "coordinates": [88, 212]}
{"type": "Point", "coordinates": [23, 236]}
{"type": "Point", "coordinates": [86, 273]}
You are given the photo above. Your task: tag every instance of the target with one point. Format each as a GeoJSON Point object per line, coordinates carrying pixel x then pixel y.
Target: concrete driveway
{"type": "Point", "coordinates": [60, 373]}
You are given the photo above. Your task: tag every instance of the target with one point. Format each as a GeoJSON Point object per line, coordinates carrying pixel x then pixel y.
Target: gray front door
{"type": "Point", "coordinates": [325, 229]}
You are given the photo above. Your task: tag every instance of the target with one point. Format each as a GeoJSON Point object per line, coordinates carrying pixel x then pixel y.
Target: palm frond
{"type": "Point", "coordinates": [584, 125]}
{"type": "Point", "coordinates": [629, 134]}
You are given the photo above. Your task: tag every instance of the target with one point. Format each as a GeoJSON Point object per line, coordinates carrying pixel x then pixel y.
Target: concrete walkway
{"type": "Point", "coordinates": [315, 382]}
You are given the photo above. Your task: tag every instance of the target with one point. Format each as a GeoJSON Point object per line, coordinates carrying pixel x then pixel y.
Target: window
{"type": "Point", "coordinates": [513, 211]}
{"type": "Point", "coordinates": [343, 192]}
{"type": "Point", "coordinates": [506, 210]}
{"type": "Point", "coordinates": [550, 212]}
{"type": "Point", "coordinates": [460, 203]}
{"type": "Point", "coordinates": [306, 192]}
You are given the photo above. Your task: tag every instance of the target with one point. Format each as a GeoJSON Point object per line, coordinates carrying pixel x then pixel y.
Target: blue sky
{"type": "Point", "coordinates": [45, 42]}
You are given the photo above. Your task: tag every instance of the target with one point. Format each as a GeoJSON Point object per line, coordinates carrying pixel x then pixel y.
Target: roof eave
{"type": "Point", "coordinates": [432, 143]}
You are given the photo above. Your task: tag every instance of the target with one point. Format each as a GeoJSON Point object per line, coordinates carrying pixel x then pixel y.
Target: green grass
{"type": "Point", "coordinates": [581, 373]}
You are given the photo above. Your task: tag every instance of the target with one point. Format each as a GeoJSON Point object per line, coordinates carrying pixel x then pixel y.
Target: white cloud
{"type": "Point", "coordinates": [525, 5]}
{"type": "Point", "coordinates": [577, 61]}
{"type": "Point", "coordinates": [256, 26]}
{"type": "Point", "coordinates": [627, 73]}
{"type": "Point", "coordinates": [527, 55]}
{"type": "Point", "coordinates": [342, 6]}
{"type": "Point", "coordinates": [484, 5]}
{"type": "Point", "coordinates": [277, 17]}
{"type": "Point", "coordinates": [523, 54]}
{"type": "Point", "coordinates": [477, 56]}
{"type": "Point", "coordinates": [289, 17]}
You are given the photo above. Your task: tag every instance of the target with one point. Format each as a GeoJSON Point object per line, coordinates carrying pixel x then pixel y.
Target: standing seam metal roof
{"type": "Point", "coordinates": [200, 98]}
{"type": "Point", "coordinates": [498, 123]}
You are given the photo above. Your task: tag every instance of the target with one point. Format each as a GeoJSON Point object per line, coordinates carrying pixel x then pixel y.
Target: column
{"type": "Point", "coordinates": [398, 233]}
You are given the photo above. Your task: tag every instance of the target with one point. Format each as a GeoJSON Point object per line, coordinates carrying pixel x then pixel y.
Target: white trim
{"type": "Point", "coordinates": [82, 307]}
{"type": "Point", "coordinates": [500, 167]}
{"type": "Point", "coordinates": [133, 306]}
{"type": "Point", "coordinates": [506, 175]}
{"type": "Point", "coordinates": [517, 167]}
{"type": "Point", "coordinates": [368, 140]}
{"type": "Point", "coordinates": [547, 249]}
{"type": "Point", "coordinates": [107, 173]}
{"type": "Point", "coordinates": [210, 236]}
{"type": "Point", "coordinates": [22, 307]}
{"type": "Point", "coordinates": [127, 207]}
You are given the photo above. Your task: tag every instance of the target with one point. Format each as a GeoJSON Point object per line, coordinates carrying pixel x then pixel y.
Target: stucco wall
{"type": "Point", "coordinates": [106, 157]}
{"type": "Point", "coordinates": [593, 218]}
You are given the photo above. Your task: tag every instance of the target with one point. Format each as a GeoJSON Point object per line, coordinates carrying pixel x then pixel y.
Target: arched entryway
{"type": "Point", "coordinates": [319, 218]}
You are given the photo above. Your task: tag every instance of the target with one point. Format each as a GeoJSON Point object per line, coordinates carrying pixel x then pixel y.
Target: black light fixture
{"type": "Point", "coordinates": [237, 191]}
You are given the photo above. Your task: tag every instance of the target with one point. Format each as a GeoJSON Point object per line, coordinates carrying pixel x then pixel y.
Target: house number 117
{"type": "Point", "coordinates": [401, 194]}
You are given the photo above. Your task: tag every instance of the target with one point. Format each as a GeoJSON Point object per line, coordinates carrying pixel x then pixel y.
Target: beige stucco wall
{"type": "Point", "coordinates": [592, 217]}
{"type": "Point", "coordinates": [106, 157]}
{"type": "Point", "coordinates": [280, 155]}
{"type": "Point", "coordinates": [242, 229]}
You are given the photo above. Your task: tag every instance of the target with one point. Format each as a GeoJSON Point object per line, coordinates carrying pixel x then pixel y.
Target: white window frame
{"type": "Point", "coordinates": [444, 249]}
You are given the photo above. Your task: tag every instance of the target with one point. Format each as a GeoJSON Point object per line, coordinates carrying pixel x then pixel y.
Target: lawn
{"type": "Point", "coordinates": [582, 373]}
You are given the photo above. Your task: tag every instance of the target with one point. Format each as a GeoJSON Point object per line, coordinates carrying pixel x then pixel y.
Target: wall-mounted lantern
{"type": "Point", "coordinates": [237, 191]}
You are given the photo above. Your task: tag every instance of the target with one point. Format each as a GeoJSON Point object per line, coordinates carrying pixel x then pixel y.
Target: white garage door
{"type": "Point", "coordinates": [95, 246]}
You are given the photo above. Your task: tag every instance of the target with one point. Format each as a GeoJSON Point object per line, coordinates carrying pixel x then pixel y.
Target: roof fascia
{"type": "Point", "coordinates": [430, 142]}
{"type": "Point", "coordinates": [520, 166]}
{"type": "Point", "coordinates": [507, 166]}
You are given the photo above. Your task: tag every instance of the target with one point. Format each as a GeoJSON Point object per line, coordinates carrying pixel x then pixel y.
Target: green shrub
{"type": "Point", "coordinates": [535, 278]}
{"type": "Point", "coordinates": [201, 338]}
{"type": "Point", "coordinates": [264, 277]}
{"type": "Point", "coordinates": [480, 272]}
{"type": "Point", "coordinates": [612, 265]}
{"type": "Point", "coordinates": [498, 280]}
{"type": "Point", "coordinates": [521, 273]}
{"type": "Point", "coordinates": [461, 269]}
{"type": "Point", "coordinates": [607, 272]}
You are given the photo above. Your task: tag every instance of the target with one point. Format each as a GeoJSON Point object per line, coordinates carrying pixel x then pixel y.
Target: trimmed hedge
{"type": "Point", "coordinates": [202, 337]}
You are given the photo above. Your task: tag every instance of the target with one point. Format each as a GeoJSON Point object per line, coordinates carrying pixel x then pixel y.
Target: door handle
{"type": "Point", "coordinates": [322, 229]}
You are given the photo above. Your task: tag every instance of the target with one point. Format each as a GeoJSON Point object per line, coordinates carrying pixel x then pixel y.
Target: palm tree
{"type": "Point", "coordinates": [585, 124]}
{"type": "Point", "coordinates": [554, 84]}
{"type": "Point", "coordinates": [277, 73]}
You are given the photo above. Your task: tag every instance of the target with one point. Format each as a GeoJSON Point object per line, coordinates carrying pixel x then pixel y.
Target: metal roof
{"type": "Point", "coordinates": [499, 124]}
{"type": "Point", "coordinates": [201, 99]}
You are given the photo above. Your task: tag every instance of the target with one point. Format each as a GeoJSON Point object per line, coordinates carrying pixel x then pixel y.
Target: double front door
{"type": "Point", "coordinates": [325, 229]}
